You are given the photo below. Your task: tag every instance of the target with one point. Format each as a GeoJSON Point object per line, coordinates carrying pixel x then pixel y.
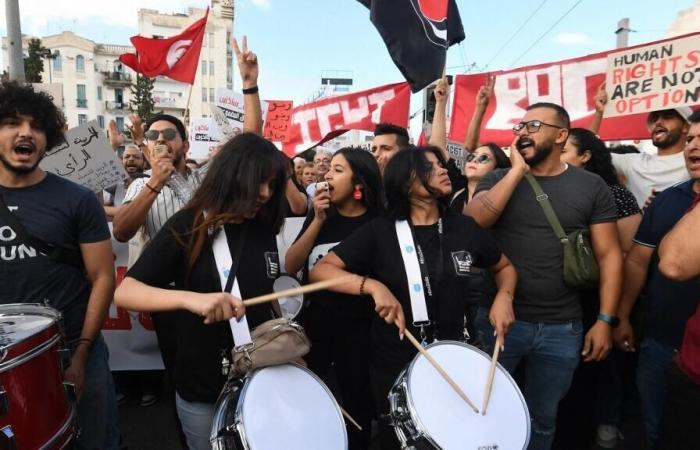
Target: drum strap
{"type": "Point", "coordinates": [227, 267]}
{"type": "Point", "coordinates": [417, 273]}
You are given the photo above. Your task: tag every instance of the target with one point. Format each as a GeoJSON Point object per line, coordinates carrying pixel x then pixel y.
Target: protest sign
{"type": "Point", "coordinates": [571, 83]}
{"type": "Point", "coordinates": [457, 153]}
{"type": "Point", "coordinates": [85, 157]}
{"type": "Point", "coordinates": [657, 76]}
{"type": "Point", "coordinates": [203, 134]}
{"type": "Point", "coordinates": [276, 126]}
{"type": "Point", "coordinates": [231, 103]}
{"type": "Point", "coordinates": [317, 122]}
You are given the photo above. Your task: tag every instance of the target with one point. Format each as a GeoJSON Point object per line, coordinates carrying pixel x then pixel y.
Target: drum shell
{"type": "Point", "coordinates": [38, 411]}
{"type": "Point", "coordinates": [226, 425]}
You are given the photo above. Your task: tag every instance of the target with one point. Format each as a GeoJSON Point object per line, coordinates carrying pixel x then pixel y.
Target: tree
{"type": "Point", "coordinates": [34, 63]}
{"type": "Point", "coordinates": [142, 97]}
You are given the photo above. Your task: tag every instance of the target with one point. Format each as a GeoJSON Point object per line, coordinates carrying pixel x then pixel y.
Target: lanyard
{"type": "Point", "coordinates": [417, 274]}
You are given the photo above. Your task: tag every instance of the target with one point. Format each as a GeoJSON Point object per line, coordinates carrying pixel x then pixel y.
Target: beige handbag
{"type": "Point", "coordinates": [277, 341]}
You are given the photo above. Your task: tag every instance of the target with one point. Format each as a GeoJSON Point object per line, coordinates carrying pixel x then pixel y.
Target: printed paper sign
{"type": "Point", "coordinates": [203, 135]}
{"type": "Point", "coordinates": [85, 157]}
{"type": "Point", "coordinates": [657, 76]}
{"type": "Point", "coordinates": [231, 103]}
{"type": "Point", "coordinates": [276, 126]}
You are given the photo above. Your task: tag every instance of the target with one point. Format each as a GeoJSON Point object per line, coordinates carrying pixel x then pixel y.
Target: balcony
{"type": "Point", "coordinates": [117, 78]}
{"type": "Point", "coordinates": [167, 102]}
{"type": "Point", "coordinates": [115, 106]}
{"type": "Point", "coordinates": [81, 103]}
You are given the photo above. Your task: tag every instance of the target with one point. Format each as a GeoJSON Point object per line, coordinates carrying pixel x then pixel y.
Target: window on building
{"type": "Point", "coordinates": [101, 121]}
{"type": "Point", "coordinates": [204, 67]}
{"type": "Point", "coordinates": [211, 67]}
{"type": "Point", "coordinates": [57, 62]}
{"type": "Point", "coordinates": [99, 92]}
{"type": "Point", "coordinates": [204, 94]}
{"type": "Point", "coordinates": [119, 96]}
{"type": "Point", "coordinates": [211, 95]}
{"type": "Point", "coordinates": [82, 100]}
{"type": "Point", "coordinates": [80, 63]}
{"type": "Point", "coordinates": [82, 118]}
{"type": "Point", "coordinates": [120, 123]}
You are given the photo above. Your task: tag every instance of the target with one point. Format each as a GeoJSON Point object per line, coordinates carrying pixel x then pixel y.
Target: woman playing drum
{"type": "Point", "coordinates": [449, 246]}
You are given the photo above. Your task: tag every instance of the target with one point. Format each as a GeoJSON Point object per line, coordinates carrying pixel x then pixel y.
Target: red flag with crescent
{"type": "Point", "coordinates": [175, 57]}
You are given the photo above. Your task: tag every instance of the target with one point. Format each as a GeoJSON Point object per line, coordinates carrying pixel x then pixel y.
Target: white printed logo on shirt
{"type": "Point", "coordinates": [319, 252]}
{"type": "Point", "coordinates": [462, 261]}
{"type": "Point", "coordinates": [272, 261]}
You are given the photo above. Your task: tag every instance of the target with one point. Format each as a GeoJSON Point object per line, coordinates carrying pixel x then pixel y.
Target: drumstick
{"type": "Point", "coordinates": [489, 380]}
{"type": "Point", "coordinates": [440, 370]}
{"type": "Point", "coordinates": [299, 290]}
{"type": "Point", "coordinates": [349, 417]}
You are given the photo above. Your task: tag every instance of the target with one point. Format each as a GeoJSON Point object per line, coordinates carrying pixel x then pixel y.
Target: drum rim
{"type": "Point", "coordinates": [240, 426]}
{"type": "Point", "coordinates": [276, 303]}
{"type": "Point", "coordinates": [409, 397]}
{"type": "Point", "coordinates": [52, 313]}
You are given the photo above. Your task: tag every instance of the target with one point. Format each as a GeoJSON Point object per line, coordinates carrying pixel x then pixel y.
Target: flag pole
{"type": "Point", "coordinates": [187, 107]}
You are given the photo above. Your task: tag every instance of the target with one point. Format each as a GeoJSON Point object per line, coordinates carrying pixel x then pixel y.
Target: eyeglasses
{"type": "Point", "coordinates": [169, 134]}
{"type": "Point", "coordinates": [532, 126]}
{"type": "Point", "coordinates": [322, 161]}
{"type": "Point", "coordinates": [479, 159]}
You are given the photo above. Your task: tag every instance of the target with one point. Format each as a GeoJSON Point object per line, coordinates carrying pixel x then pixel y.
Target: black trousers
{"type": "Point", "coordinates": [340, 345]}
{"type": "Point", "coordinates": [679, 425]}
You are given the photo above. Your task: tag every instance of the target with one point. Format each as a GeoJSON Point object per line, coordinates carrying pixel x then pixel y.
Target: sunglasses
{"type": "Point", "coordinates": [168, 134]}
{"type": "Point", "coordinates": [479, 159]}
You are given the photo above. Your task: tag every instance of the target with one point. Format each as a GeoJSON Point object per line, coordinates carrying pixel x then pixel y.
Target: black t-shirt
{"type": "Point", "coordinates": [57, 211]}
{"type": "Point", "coordinates": [374, 251]}
{"type": "Point", "coordinates": [301, 189]}
{"type": "Point", "coordinates": [193, 348]}
{"type": "Point", "coordinates": [579, 199]}
{"type": "Point", "coordinates": [457, 178]}
{"type": "Point", "coordinates": [334, 230]}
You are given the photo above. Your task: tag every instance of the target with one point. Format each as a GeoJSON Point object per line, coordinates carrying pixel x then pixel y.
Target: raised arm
{"type": "Point", "coordinates": [438, 133]}
{"type": "Point", "coordinates": [471, 141]}
{"type": "Point", "coordinates": [601, 99]}
{"type": "Point", "coordinates": [679, 252]}
{"type": "Point", "coordinates": [248, 67]}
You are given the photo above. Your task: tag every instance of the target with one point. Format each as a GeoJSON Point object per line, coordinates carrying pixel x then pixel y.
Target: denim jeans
{"type": "Point", "coordinates": [553, 353]}
{"type": "Point", "coordinates": [655, 358]}
{"type": "Point", "coordinates": [196, 419]}
{"type": "Point", "coordinates": [97, 409]}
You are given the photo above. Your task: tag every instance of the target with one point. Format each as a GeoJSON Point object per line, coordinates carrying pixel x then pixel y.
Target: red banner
{"type": "Point", "coordinates": [571, 83]}
{"type": "Point", "coordinates": [276, 126]}
{"type": "Point", "coordinates": [314, 123]}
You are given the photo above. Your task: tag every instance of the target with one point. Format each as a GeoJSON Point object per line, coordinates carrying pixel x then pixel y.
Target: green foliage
{"type": "Point", "coordinates": [34, 63]}
{"type": "Point", "coordinates": [142, 97]}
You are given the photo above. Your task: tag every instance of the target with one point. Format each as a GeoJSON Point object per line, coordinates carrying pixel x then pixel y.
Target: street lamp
{"type": "Point", "coordinates": [50, 56]}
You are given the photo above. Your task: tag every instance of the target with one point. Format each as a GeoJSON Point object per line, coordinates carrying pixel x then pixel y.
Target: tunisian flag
{"type": "Point", "coordinates": [315, 123]}
{"type": "Point", "coordinates": [175, 57]}
{"type": "Point", "coordinates": [417, 34]}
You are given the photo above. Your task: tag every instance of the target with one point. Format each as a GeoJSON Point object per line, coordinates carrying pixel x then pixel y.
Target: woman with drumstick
{"type": "Point", "coordinates": [243, 194]}
{"type": "Point", "coordinates": [338, 324]}
{"type": "Point", "coordinates": [449, 247]}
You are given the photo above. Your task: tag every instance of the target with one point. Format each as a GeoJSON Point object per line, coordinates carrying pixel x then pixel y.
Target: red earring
{"type": "Point", "coordinates": [357, 194]}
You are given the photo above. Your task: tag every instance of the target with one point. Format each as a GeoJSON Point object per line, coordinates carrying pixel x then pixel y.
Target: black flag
{"type": "Point", "coordinates": [417, 34]}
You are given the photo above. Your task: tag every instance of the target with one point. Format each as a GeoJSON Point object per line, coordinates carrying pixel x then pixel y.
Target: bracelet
{"type": "Point", "coordinates": [362, 285]}
{"type": "Point", "coordinates": [84, 341]}
{"type": "Point", "coordinates": [250, 90]}
{"type": "Point", "coordinates": [154, 190]}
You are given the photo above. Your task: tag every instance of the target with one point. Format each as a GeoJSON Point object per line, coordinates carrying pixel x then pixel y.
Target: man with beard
{"type": "Point", "coordinates": [548, 335]}
{"type": "Point", "coordinates": [64, 257]}
{"type": "Point", "coordinates": [134, 164]}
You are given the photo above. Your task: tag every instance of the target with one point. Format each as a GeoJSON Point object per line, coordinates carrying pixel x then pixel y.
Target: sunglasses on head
{"type": "Point", "coordinates": [479, 159]}
{"type": "Point", "coordinates": [168, 134]}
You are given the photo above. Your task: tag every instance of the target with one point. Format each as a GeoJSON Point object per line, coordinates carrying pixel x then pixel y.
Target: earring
{"type": "Point", "coordinates": [357, 194]}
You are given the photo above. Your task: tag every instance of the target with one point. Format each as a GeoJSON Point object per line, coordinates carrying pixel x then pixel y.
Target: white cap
{"type": "Point", "coordinates": [684, 111]}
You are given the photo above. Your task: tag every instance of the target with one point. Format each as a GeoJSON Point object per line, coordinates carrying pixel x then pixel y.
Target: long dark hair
{"type": "Point", "coordinates": [365, 172]}
{"type": "Point", "coordinates": [601, 161]}
{"type": "Point", "coordinates": [231, 189]}
{"type": "Point", "coordinates": [499, 156]}
{"type": "Point", "coordinates": [403, 169]}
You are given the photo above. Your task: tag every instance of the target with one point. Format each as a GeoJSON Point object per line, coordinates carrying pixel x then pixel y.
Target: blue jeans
{"type": "Point", "coordinates": [553, 353]}
{"type": "Point", "coordinates": [655, 359]}
{"type": "Point", "coordinates": [97, 410]}
{"type": "Point", "coordinates": [196, 419]}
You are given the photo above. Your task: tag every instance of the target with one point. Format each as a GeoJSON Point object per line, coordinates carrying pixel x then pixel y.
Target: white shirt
{"type": "Point", "coordinates": [645, 172]}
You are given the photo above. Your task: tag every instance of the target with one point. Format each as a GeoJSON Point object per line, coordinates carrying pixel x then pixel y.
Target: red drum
{"type": "Point", "coordinates": [36, 410]}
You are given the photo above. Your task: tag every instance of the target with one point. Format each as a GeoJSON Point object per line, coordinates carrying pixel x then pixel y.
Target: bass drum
{"type": "Point", "coordinates": [427, 414]}
{"type": "Point", "coordinates": [278, 407]}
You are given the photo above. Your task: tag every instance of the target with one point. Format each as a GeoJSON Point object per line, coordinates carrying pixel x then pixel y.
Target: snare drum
{"type": "Point", "coordinates": [278, 407]}
{"type": "Point", "coordinates": [35, 410]}
{"type": "Point", "coordinates": [426, 412]}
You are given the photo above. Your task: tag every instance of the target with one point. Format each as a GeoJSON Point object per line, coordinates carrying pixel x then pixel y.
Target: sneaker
{"type": "Point", "coordinates": [608, 436]}
{"type": "Point", "coordinates": [148, 399]}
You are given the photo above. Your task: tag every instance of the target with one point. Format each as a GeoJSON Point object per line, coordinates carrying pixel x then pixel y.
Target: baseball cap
{"type": "Point", "coordinates": [683, 111]}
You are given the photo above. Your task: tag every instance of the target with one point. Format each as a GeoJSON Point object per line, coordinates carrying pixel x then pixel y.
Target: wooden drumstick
{"type": "Point", "coordinates": [299, 290]}
{"type": "Point", "coordinates": [349, 417]}
{"type": "Point", "coordinates": [492, 373]}
{"type": "Point", "coordinates": [440, 370]}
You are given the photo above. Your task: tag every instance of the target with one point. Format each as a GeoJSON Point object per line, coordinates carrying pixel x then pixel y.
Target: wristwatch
{"type": "Point", "coordinates": [613, 321]}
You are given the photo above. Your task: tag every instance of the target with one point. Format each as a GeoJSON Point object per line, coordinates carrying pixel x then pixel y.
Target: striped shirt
{"type": "Point", "coordinates": [172, 197]}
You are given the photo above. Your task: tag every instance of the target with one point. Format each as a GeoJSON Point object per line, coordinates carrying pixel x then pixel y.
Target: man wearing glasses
{"type": "Point", "coordinates": [548, 332]}
{"type": "Point", "coordinates": [322, 163]}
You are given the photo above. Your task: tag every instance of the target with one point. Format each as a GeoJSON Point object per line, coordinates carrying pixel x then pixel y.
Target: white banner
{"type": "Point", "coordinates": [203, 135]}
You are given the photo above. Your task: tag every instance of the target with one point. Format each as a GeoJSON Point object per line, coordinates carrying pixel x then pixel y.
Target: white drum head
{"type": "Point", "coordinates": [448, 420]}
{"type": "Point", "coordinates": [287, 407]}
{"type": "Point", "coordinates": [19, 322]}
{"type": "Point", "coordinates": [289, 306]}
